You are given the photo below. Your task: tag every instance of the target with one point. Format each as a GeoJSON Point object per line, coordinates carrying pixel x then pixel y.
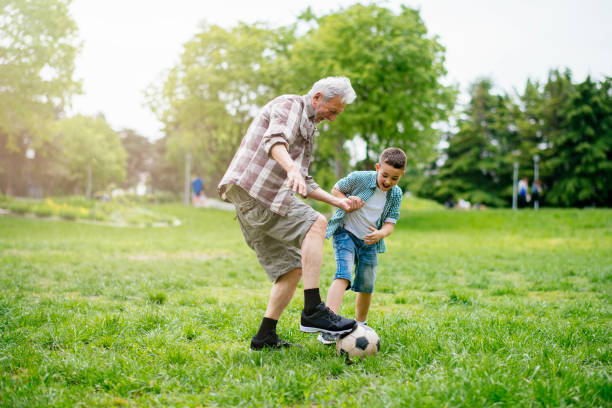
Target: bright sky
{"type": "Point", "coordinates": [127, 45]}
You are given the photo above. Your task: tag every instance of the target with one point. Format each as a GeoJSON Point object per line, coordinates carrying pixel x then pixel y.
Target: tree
{"type": "Point", "coordinates": [581, 165]}
{"type": "Point", "coordinates": [479, 157]}
{"type": "Point", "coordinates": [37, 52]}
{"type": "Point", "coordinates": [140, 156]}
{"type": "Point", "coordinates": [208, 100]}
{"type": "Point", "coordinates": [396, 71]}
{"type": "Point", "coordinates": [92, 152]}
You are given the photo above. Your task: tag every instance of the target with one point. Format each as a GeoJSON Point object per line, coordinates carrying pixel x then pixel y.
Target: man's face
{"type": "Point", "coordinates": [327, 110]}
{"type": "Point", "coordinates": [387, 176]}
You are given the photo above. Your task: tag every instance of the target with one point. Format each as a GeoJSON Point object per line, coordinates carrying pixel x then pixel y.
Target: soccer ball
{"type": "Point", "coordinates": [361, 342]}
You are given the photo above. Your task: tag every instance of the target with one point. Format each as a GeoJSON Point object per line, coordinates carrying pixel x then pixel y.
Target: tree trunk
{"type": "Point", "coordinates": [88, 192]}
{"type": "Point", "coordinates": [339, 154]}
{"type": "Point", "coordinates": [187, 178]}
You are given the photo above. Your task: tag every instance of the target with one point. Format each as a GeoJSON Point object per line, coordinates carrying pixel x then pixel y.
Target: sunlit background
{"type": "Point", "coordinates": [102, 98]}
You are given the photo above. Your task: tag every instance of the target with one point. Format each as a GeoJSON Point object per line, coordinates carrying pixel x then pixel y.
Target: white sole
{"type": "Point", "coordinates": [307, 329]}
{"type": "Point", "coordinates": [321, 340]}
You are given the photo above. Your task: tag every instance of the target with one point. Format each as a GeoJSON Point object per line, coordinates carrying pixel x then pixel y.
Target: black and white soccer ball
{"type": "Point", "coordinates": [361, 342]}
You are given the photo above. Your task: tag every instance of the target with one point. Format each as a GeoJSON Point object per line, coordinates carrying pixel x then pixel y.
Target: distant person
{"type": "Point", "coordinates": [269, 168]}
{"type": "Point", "coordinates": [536, 191]}
{"type": "Point", "coordinates": [523, 195]}
{"type": "Point", "coordinates": [198, 198]}
{"type": "Point", "coordinates": [450, 203]}
{"type": "Point", "coordinates": [464, 204]}
{"type": "Point", "coordinates": [358, 234]}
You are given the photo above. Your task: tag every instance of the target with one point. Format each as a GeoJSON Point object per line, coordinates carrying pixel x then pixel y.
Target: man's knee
{"type": "Point", "coordinates": [319, 226]}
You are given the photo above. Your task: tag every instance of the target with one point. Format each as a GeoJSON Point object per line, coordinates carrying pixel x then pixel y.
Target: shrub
{"type": "Point", "coordinates": [42, 210]}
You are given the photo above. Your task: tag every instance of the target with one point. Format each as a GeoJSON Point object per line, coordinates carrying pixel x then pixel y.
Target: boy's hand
{"type": "Point", "coordinates": [374, 236]}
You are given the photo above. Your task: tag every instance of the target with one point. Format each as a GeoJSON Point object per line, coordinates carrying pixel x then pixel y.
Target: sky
{"type": "Point", "coordinates": [127, 45]}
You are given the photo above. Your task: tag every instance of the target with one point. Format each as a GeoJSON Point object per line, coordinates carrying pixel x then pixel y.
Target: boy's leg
{"type": "Point", "coordinates": [334, 300]}
{"type": "Point", "coordinates": [335, 294]}
{"type": "Point", "coordinates": [362, 306]}
{"type": "Point", "coordinates": [365, 277]}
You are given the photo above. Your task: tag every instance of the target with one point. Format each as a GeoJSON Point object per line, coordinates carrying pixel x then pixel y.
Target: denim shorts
{"type": "Point", "coordinates": [354, 255]}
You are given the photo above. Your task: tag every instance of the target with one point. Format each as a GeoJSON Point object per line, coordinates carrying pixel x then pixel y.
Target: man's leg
{"type": "Point", "coordinates": [362, 306]}
{"type": "Point", "coordinates": [336, 293]}
{"type": "Point", "coordinates": [281, 293]}
{"type": "Point", "coordinates": [316, 317]}
{"type": "Point", "coordinates": [312, 253]}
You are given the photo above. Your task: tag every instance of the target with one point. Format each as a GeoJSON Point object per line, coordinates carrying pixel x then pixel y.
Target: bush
{"type": "Point", "coordinates": [68, 214]}
{"type": "Point", "coordinates": [42, 210]}
{"type": "Point", "coordinates": [17, 207]}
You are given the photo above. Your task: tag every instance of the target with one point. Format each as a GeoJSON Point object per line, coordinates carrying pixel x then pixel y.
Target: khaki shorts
{"type": "Point", "coordinates": [276, 239]}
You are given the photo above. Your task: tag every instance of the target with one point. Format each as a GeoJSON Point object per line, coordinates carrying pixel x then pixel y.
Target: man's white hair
{"type": "Point", "coordinates": [333, 86]}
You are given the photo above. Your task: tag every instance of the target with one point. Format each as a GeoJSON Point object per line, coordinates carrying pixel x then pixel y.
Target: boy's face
{"type": "Point", "coordinates": [387, 176]}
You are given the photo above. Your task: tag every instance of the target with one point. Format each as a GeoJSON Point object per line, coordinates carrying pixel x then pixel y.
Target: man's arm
{"type": "Point", "coordinates": [295, 181]}
{"type": "Point", "coordinates": [356, 202]}
{"type": "Point", "coordinates": [343, 203]}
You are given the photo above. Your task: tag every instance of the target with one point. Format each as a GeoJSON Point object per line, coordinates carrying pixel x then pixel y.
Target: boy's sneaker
{"type": "Point", "coordinates": [271, 341]}
{"type": "Point", "coordinates": [326, 321]}
{"type": "Point", "coordinates": [327, 339]}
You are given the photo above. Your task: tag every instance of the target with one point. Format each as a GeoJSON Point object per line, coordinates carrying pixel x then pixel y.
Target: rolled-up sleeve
{"type": "Point", "coordinates": [279, 129]}
{"type": "Point", "coordinates": [347, 184]}
{"type": "Point", "coordinates": [311, 185]}
{"type": "Point", "coordinates": [394, 211]}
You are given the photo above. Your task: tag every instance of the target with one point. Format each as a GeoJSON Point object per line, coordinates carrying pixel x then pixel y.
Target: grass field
{"type": "Point", "coordinates": [489, 308]}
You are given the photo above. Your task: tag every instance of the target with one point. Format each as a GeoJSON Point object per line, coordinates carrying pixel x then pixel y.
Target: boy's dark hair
{"type": "Point", "coordinates": [394, 157]}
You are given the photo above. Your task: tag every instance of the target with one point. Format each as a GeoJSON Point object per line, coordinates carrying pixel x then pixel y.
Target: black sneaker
{"type": "Point", "coordinates": [325, 321]}
{"type": "Point", "coordinates": [327, 339]}
{"type": "Point", "coordinates": [272, 341]}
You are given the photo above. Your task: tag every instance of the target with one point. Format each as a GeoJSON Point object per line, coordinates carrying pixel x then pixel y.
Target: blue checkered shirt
{"type": "Point", "coordinates": [363, 185]}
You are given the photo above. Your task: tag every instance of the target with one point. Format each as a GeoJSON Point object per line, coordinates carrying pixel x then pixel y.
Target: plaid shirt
{"type": "Point", "coordinates": [363, 184]}
{"type": "Point", "coordinates": [288, 119]}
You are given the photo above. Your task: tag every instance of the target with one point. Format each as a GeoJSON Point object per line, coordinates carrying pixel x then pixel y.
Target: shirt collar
{"type": "Point", "coordinates": [308, 109]}
{"type": "Point", "coordinates": [373, 180]}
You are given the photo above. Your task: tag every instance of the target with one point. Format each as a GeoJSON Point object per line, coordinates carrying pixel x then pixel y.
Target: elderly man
{"type": "Point", "coordinates": [269, 168]}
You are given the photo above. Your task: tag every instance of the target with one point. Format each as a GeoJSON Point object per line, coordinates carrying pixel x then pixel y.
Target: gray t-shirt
{"type": "Point", "coordinates": [358, 221]}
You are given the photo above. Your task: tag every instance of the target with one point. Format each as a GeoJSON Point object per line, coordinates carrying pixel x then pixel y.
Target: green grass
{"type": "Point", "coordinates": [488, 308]}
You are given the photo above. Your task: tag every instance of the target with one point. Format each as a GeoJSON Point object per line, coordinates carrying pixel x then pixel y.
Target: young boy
{"type": "Point", "coordinates": [358, 233]}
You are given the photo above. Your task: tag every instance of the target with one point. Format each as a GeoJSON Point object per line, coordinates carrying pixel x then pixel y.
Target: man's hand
{"type": "Point", "coordinates": [296, 181]}
{"type": "Point", "coordinates": [356, 203]}
{"type": "Point", "coordinates": [374, 236]}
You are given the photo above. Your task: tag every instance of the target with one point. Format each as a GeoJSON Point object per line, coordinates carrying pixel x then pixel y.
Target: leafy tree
{"type": "Point", "coordinates": [208, 100]}
{"type": "Point", "coordinates": [140, 156]}
{"type": "Point", "coordinates": [480, 156]}
{"type": "Point", "coordinates": [582, 161]}
{"type": "Point", "coordinates": [165, 176]}
{"type": "Point", "coordinates": [37, 52]}
{"type": "Point", "coordinates": [395, 68]}
{"type": "Point", "coordinates": [91, 152]}
{"type": "Point", "coordinates": [555, 96]}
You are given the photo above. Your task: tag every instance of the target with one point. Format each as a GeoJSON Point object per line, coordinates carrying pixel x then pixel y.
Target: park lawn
{"type": "Point", "coordinates": [488, 308]}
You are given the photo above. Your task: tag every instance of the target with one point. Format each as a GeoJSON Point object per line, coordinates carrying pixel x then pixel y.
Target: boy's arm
{"type": "Point", "coordinates": [356, 202]}
{"type": "Point", "coordinates": [376, 235]}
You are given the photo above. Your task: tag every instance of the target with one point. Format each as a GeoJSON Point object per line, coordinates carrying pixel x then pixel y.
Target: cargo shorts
{"type": "Point", "coordinates": [276, 239]}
